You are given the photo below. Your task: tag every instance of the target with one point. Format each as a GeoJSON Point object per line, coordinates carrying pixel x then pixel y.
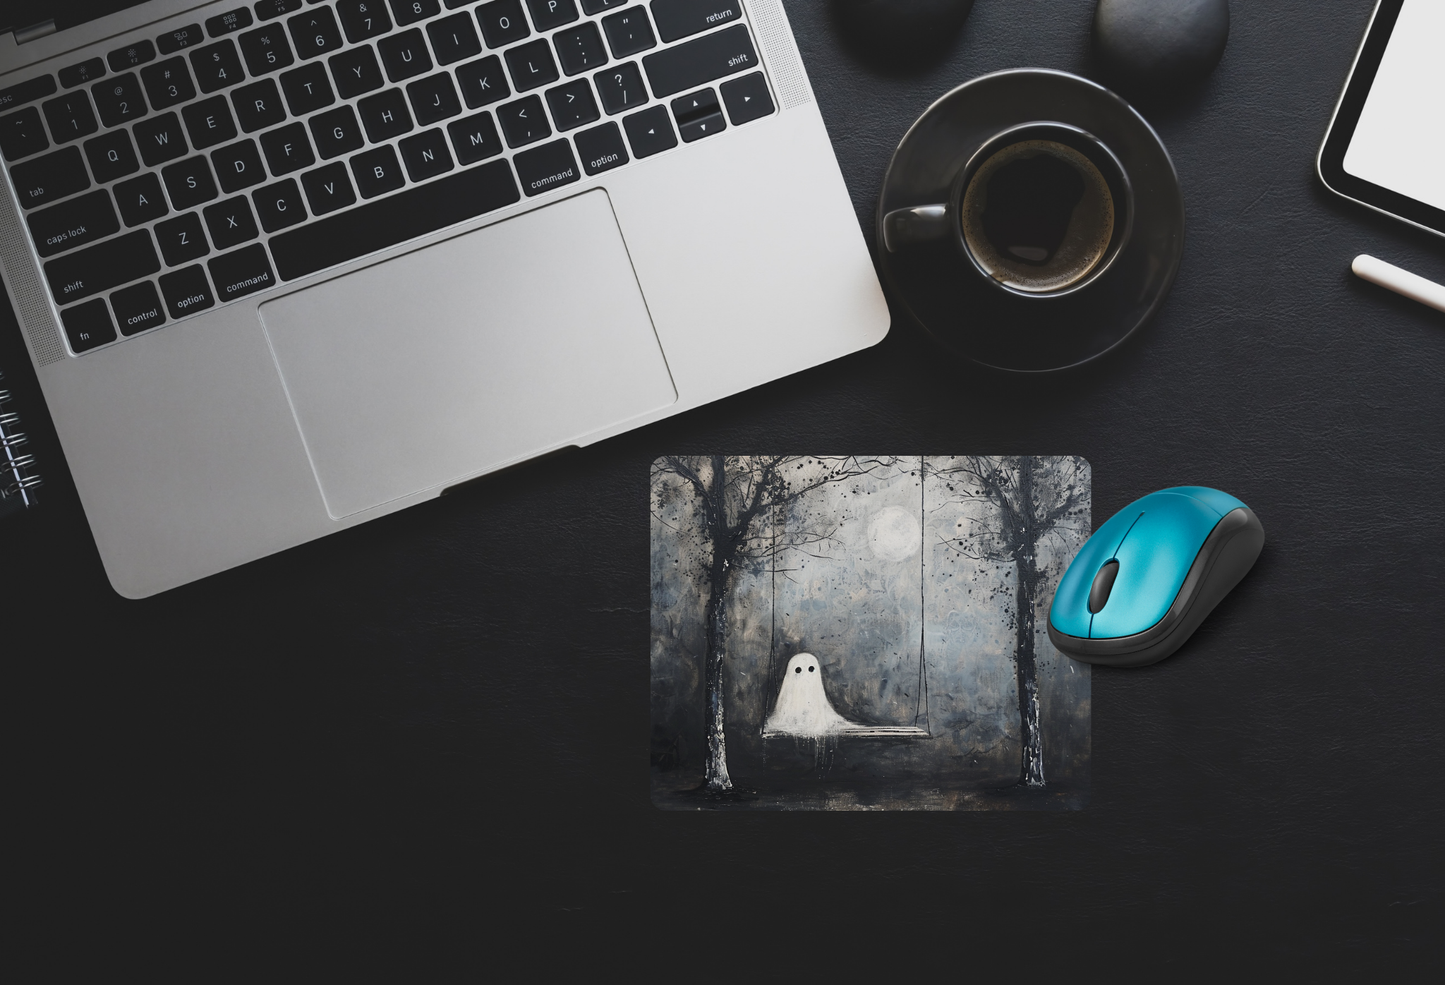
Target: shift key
{"type": "Point", "coordinates": [696, 63]}
{"type": "Point", "coordinates": [101, 267]}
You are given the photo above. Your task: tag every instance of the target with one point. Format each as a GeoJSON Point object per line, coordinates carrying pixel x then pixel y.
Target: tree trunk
{"type": "Point", "coordinates": [1031, 769]}
{"type": "Point", "coordinates": [715, 776]}
{"type": "Point", "coordinates": [715, 773]}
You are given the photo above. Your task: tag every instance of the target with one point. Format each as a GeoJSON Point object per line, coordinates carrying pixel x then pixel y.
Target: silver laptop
{"type": "Point", "coordinates": [285, 267]}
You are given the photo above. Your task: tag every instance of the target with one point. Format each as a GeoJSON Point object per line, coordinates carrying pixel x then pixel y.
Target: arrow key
{"type": "Point", "coordinates": [698, 115]}
{"type": "Point", "coordinates": [747, 98]}
{"type": "Point", "coordinates": [650, 131]}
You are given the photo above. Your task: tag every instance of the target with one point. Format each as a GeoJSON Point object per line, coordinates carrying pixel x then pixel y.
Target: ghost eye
{"type": "Point", "coordinates": [798, 670]}
{"type": "Point", "coordinates": [810, 669]}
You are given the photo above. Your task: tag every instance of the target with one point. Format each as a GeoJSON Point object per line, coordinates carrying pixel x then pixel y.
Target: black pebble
{"type": "Point", "coordinates": [896, 26]}
{"type": "Point", "coordinates": [1160, 42]}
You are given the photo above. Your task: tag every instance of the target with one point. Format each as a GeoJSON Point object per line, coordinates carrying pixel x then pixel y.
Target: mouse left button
{"type": "Point", "coordinates": [1103, 585]}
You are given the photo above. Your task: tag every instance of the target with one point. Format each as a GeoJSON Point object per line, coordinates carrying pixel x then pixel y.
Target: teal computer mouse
{"type": "Point", "coordinates": [1145, 581]}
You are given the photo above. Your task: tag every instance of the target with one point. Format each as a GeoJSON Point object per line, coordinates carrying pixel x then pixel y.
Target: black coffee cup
{"type": "Point", "coordinates": [1040, 210]}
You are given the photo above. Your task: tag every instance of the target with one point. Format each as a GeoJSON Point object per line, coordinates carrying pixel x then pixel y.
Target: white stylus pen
{"type": "Point", "coordinates": [1388, 275]}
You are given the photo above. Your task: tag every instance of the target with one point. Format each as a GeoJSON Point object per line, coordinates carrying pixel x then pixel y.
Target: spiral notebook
{"type": "Point", "coordinates": [18, 478]}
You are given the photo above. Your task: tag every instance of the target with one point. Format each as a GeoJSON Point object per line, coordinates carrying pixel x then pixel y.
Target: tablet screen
{"type": "Point", "coordinates": [1399, 143]}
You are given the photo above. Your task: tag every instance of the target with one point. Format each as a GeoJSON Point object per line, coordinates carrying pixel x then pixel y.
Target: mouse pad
{"type": "Point", "coordinates": [865, 633]}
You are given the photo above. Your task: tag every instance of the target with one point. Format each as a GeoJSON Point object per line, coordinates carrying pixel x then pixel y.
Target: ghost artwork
{"type": "Point", "coordinates": [803, 708]}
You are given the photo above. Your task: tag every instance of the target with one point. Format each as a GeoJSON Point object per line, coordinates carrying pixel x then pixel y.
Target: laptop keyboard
{"type": "Point", "coordinates": [212, 162]}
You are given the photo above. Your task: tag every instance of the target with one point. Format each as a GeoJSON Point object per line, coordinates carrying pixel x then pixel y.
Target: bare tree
{"type": "Point", "coordinates": [1018, 503]}
{"type": "Point", "coordinates": [726, 498]}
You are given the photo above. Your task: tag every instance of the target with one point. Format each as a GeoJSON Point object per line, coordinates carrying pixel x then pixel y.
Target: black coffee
{"type": "Point", "coordinates": [1038, 216]}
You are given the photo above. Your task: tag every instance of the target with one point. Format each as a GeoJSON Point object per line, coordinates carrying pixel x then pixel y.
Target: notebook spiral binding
{"type": "Point", "coordinates": [18, 478]}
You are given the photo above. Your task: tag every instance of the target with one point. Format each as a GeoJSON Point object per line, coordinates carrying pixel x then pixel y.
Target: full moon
{"type": "Point", "coordinates": [893, 534]}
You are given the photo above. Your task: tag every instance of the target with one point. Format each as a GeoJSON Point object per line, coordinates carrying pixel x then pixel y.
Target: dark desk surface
{"type": "Point", "coordinates": [442, 717]}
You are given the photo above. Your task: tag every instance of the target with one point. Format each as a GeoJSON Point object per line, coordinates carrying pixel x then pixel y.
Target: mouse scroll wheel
{"type": "Point", "coordinates": [1103, 585]}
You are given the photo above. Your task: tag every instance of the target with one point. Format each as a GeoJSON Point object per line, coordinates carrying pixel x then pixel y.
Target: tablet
{"type": "Point", "coordinates": [1385, 147]}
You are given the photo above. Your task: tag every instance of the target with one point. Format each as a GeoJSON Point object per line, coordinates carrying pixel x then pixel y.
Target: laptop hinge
{"type": "Point", "coordinates": [34, 31]}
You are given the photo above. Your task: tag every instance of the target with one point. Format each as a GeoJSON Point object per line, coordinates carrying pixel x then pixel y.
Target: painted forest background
{"type": "Point", "coordinates": [866, 563]}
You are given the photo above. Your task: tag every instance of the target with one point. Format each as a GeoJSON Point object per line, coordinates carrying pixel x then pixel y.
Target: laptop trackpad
{"type": "Point", "coordinates": [465, 356]}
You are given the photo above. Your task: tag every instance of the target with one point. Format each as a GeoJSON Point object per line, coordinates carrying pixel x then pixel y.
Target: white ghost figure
{"type": "Point", "coordinates": [803, 707]}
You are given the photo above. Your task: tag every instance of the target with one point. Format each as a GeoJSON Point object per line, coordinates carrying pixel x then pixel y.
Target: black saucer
{"type": "Point", "coordinates": [998, 328]}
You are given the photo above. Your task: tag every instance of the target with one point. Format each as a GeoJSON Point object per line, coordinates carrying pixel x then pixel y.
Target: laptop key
{"type": "Point", "coordinates": [679, 18]}
{"type": "Point", "coordinates": [649, 132]}
{"type": "Point", "coordinates": [243, 272]}
{"type": "Point", "coordinates": [209, 122]}
{"type": "Point", "coordinates": [189, 182]}
{"type": "Point", "coordinates": [698, 115]}
{"type": "Point", "coordinates": [696, 63]}
{"type": "Point", "coordinates": [336, 132]}
{"type": "Point", "coordinates": [307, 89]}
{"type": "Point", "coordinates": [355, 71]}
{"type": "Point", "coordinates": [187, 291]}
{"type": "Point", "coordinates": [258, 105]}
{"type": "Point", "coordinates": [502, 22]}
{"type": "Point", "coordinates": [377, 172]}
{"type": "Point", "coordinates": [524, 122]}
{"type": "Point", "coordinates": [433, 98]}
{"type": "Point", "coordinates": [181, 239]}
{"type": "Point", "coordinates": [475, 138]}
{"type": "Point", "coordinates": [49, 178]}
{"type": "Point", "coordinates": [266, 49]}
{"type": "Point", "coordinates": [454, 38]}
{"type": "Point", "coordinates": [88, 325]}
{"type": "Point", "coordinates": [74, 223]}
{"type": "Point", "coordinates": [287, 149]}
{"type": "Point", "coordinates": [160, 139]}
{"type": "Point", "coordinates": [217, 66]}
{"type": "Point", "coordinates": [137, 308]}
{"type": "Point", "coordinates": [385, 115]}
{"type": "Point", "coordinates": [87, 71]}
{"type": "Point", "coordinates": [531, 65]}
{"type": "Point", "coordinates": [267, 9]}
{"type": "Point", "coordinates": [22, 134]}
{"type": "Point", "coordinates": [747, 98]}
{"type": "Point", "coordinates": [131, 56]}
{"type": "Point", "coordinates": [314, 33]}
{"type": "Point", "coordinates": [111, 156]}
{"type": "Point", "coordinates": [482, 81]}
{"type": "Point", "coordinates": [230, 222]}
{"type": "Point", "coordinates": [70, 117]}
{"type": "Point", "coordinates": [109, 263]}
{"type": "Point", "coordinates": [238, 166]}
{"type": "Point", "coordinates": [404, 55]}
{"type": "Point", "coordinates": [601, 148]}
{"type": "Point", "coordinates": [546, 167]}
{"type": "Point", "coordinates": [279, 205]}
{"type": "Point", "coordinates": [119, 100]}
{"type": "Point", "coordinates": [328, 189]}
{"type": "Point", "coordinates": [411, 11]}
{"type": "Point", "coordinates": [547, 14]}
{"type": "Point", "coordinates": [363, 19]}
{"type": "Point", "coordinates": [597, 6]}
{"type": "Point", "coordinates": [425, 155]}
{"type": "Point", "coordinates": [167, 83]}
{"type": "Point", "coordinates": [140, 199]}
{"type": "Point", "coordinates": [621, 88]}
{"type": "Point", "coordinates": [580, 49]}
{"type": "Point", "coordinates": [396, 219]}
{"type": "Point", "coordinates": [572, 104]}
{"type": "Point", "coordinates": [628, 32]}
{"type": "Point", "coordinates": [181, 37]}
{"type": "Point", "coordinates": [229, 22]}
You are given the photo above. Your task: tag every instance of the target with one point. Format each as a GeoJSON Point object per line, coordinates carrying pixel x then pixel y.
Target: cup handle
{"type": "Point", "coordinates": [921, 224]}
